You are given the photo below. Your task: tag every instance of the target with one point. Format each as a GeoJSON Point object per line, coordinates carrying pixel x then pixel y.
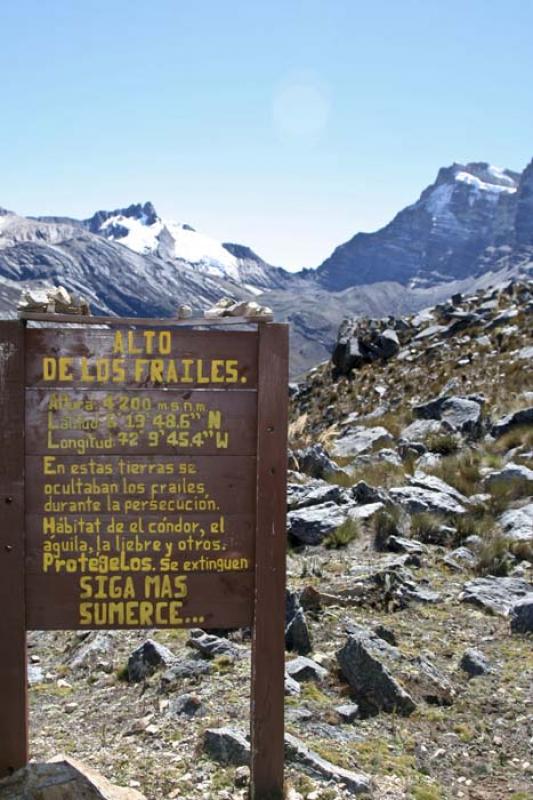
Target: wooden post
{"type": "Point", "coordinates": [268, 646]}
{"type": "Point", "coordinates": [13, 675]}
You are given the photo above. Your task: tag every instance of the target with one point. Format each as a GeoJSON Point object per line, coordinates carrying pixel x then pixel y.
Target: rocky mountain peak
{"type": "Point", "coordinates": [468, 208]}
{"type": "Point", "coordinates": [524, 211]}
{"type": "Point", "coordinates": [480, 174]}
{"type": "Point", "coordinates": [142, 212]}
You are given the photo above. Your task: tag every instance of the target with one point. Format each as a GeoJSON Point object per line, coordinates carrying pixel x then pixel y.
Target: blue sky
{"type": "Point", "coordinates": [287, 125]}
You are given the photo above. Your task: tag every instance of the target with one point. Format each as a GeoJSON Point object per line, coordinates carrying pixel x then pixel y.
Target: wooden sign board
{"type": "Point", "coordinates": [144, 487]}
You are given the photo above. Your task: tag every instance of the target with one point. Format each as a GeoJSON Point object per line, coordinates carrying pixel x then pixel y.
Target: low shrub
{"type": "Point", "coordinates": [343, 535]}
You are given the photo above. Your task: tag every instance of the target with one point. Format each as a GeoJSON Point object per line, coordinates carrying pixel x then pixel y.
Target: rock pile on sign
{"type": "Point", "coordinates": [55, 300]}
{"type": "Point", "coordinates": [227, 307]}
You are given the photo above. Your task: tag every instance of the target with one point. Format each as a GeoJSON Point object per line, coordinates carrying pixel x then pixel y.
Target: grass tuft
{"type": "Point", "coordinates": [343, 535]}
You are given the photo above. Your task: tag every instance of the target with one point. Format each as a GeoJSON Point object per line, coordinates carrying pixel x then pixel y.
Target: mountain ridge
{"type": "Point", "coordinates": [472, 227]}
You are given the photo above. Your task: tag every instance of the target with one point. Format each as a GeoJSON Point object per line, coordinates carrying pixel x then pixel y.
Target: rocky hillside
{"type": "Point", "coordinates": [469, 208]}
{"type": "Point", "coordinates": [409, 611]}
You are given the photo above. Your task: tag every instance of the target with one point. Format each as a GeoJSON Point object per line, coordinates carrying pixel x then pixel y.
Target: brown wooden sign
{"type": "Point", "coordinates": [144, 486]}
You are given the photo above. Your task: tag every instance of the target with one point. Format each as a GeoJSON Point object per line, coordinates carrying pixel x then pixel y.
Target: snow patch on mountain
{"type": "Point", "coordinates": [170, 239]}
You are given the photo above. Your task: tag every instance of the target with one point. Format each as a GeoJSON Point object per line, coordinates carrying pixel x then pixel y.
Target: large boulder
{"type": "Point", "coordinates": [315, 462]}
{"type": "Point", "coordinates": [62, 778]}
{"type": "Point", "coordinates": [522, 615]}
{"type": "Point", "coordinates": [313, 493]}
{"type": "Point", "coordinates": [495, 595]}
{"type": "Point", "coordinates": [510, 421]}
{"type": "Point", "coordinates": [474, 663]}
{"type": "Point", "coordinates": [297, 633]}
{"type": "Point", "coordinates": [517, 523]}
{"type": "Point", "coordinates": [212, 646]}
{"type": "Point", "coordinates": [463, 414]}
{"type": "Point", "coordinates": [511, 475]}
{"type": "Point", "coordinates": [298, 753]}
{"type": "Point", "coordinates": [311, 524]}
{"type": "Point", "coordinates": [148, 657]}
{"type": "Point", "coordinates": [356, 440]}
{"type": "Point", "coordinates": [303, 669]}
{"type": "Point", "coordinates": [382, 679]}
{"type": "Point", "coordinates": [226, 746]}
{"type": "Point", "coordinates": [416, 499]}
{"type": "Point", "coordinates": [95, 652]}
{"type": "Point", "coordinates": [230, 747]}
{"type": "Point", "coordinates": [359, 343]}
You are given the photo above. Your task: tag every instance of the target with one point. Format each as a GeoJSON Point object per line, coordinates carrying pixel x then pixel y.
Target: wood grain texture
{"type": "Point", "coordinates": [268, 647]}
{"type": "Point", "coordinates": [140, 322]}
{"type": "Point", "coordinates": [13, 691]}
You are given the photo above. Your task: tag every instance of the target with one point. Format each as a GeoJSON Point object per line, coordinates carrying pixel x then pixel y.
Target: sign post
{"type": "Point", "coordinates": [13, 681]}
{"type": "Point", "coordinates": [155, 464]}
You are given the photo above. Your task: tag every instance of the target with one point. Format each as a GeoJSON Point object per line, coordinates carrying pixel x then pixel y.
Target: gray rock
{"type": "Point", "coordinates": [230, 747]}
{"type": "Point", "coordinates": [507, 423]}
{"type": "Point", "coordinates": [435, 484]}
{"type": "Point", "coordinates": [358, 439]}
{"type": "Point", "coordinates": [348, 712]}
{"type": "Point", "coordinates": [386, 634]}
{"type": "Point", "coordinates": [431, 684]}
{"type": "Point", "coordinates": [305, 669]}
{"type": "Point", "coordinates": [517, 523]}
{"type": "Point", "coordinates": [418, 431]}
{"type": "Point", "coordinates": [212, 646]}
{"type": "Point", "coordinates": [148, 657]}
{"type": "Point", "coordinates": [399, 544]}
{"type": "Point", "coordinates": [316, 492]}
{"type": "Point", "coordinates": [311, 524]}
{"type": "Point", "coordinates": [357, 346]}
{"type": "Point", "coordinates": [315, 462]}
{"type": "Point", "coordinates": [495, 595]}
{"type": "Point", "coordinates": [183, 669]}
{"type": "Point", "coordinates": [416, 499]}
{"type": "Point", "coordinates": [511, 474]}
{"type": "Point", "coordinates": [226, 746]}
{"type": "Point", "coordinates": [297, 752]}
{"type": "Point", "coordinates": [522, 615]}
{"type": "Point", "coordinates": [95, 652]}
{"type": "Point", "coordinates": [292, 687]}
{"type": "Point", "coordinates": [366, 512]}
{"type": "Point", "coordinates": [187, 705]}
{"type": "Point", "coordinates": [463, 321]}
{"type": "Point", "coordinates": [62, 778]}
{"type": "Point", "coordinates": [363, 493]}
{"type": "Point", "coordinates": [474, 662]}
{"type": "Point", "coordinates": [461, 559]}
{"type": "Point", "coordinates": [297, 634]}
{"type": "Point", "coordinates": [463, 414]}
{"type": "Point", "coordinates": [366, 662]}
{"type": "Point", "coordinates": [35, 674]}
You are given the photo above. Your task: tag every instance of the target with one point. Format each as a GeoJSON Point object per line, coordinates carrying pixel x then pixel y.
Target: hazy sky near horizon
{"type": "Point", "coordinates": [286, 125]}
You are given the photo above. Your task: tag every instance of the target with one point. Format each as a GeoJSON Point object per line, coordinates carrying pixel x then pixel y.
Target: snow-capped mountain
{"type": "Point", "coordinates": [140, 229]}
{"type": "Point", "coordinates": [473, 227]}
{"type": "Point", "coordinates": [439, 238]}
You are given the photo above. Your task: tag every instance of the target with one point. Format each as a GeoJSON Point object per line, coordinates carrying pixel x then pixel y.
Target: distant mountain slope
{"type": "Point", "coordinates": [113, 278]}
{"type": "Point", "coordinates": [440, 237]}
{"type": "Point", "coordinates": [472, 228]}
{"type": "Point", "coordinates": [139, 228]}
